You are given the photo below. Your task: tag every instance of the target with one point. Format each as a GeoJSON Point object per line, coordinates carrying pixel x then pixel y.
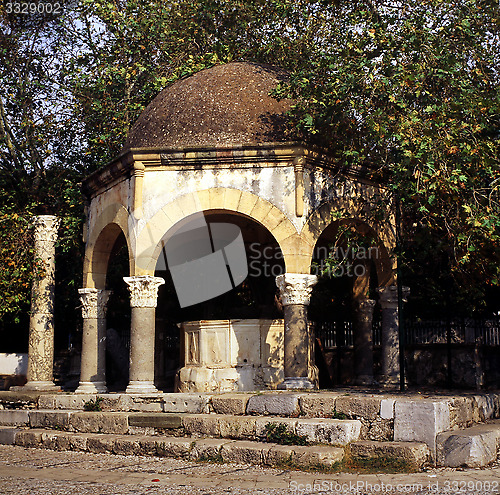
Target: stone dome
{"type": "Point", "coordinates": [221, 106]}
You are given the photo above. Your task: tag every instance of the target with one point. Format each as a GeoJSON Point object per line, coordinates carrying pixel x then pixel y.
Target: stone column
{"type": "Point", "coordinates": [363, 341]}
{"type": "Point", "coordinates": [93, 367]}
{"type": "Point", "coordinates": [295, 290]}
{"type": "Point", "coordinates": [143, 297]}
{"type": "Point", "coordinates": [388, 298]}
{"type": "Point", "coordinates": [41, 332]}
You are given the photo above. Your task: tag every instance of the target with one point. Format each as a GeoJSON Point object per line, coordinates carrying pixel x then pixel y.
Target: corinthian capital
{"type": "Point", "coordinates": [143, 290]}
{"type": "Point", "coordinates": [296, 288]}
{"type": "Point", "coordinates": [94, 302]}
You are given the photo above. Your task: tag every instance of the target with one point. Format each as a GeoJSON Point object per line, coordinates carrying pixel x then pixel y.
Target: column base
{"type": "Point", "coordinates": [140, 387]}
{"type": "Point", "coordinates": [91, 388]}
{"type": "Point", "coordinates": [295, 383]}
{"type": "Point", "coordinates": [40, 385]}
{"type": "Point", "coordinates": [390, 381]}
{"type": "Point", "coordinates": [365, 380]}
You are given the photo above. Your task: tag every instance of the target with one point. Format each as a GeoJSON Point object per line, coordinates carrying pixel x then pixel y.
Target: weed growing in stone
{"type": "Point", "coordinates": [338, 415]}
{"type": "Point", "coordinates": [93, 404]}
{"type": "Point", "coordinates": [279, 433]}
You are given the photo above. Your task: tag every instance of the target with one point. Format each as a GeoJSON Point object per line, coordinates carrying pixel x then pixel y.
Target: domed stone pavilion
{"type": "Point", "coordinates": [220, 211]}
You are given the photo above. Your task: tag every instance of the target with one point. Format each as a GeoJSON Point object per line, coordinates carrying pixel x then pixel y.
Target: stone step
{"type": "Point", "coordinates": [383, 416]}
{"type": "Point", "coordinates": [14, 417]}
{"type": "Point", "coordinates": [383, 409]}
{"type": "Point", "coordinates": [476, 446]}
{"type": "Point", "coordinates": [412, 455]}
{"type": "Point", "coordinates": [314, 430]}
{"type": "Point", "coordinates": [208, 449]}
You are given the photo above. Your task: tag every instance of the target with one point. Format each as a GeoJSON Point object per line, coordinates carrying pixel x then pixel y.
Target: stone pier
{"type": "Point", "coordinates": [363, 341]}
{"type": "Point", "coordinates": [300, 371]}
{"type": "Point", "coordinates": [41, 330]}
{"type": "Point", "coordinates": [143, 299]}
{"type": "Point", "coordinates": [93, 367]}
{"type": "Point", "coordinates": [388, 298]}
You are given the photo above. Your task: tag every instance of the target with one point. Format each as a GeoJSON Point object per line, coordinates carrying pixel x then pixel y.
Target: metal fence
{"type": "Point", "coordinates": [335, 334]}
{"type": "Point", "coordinates": [453, 331]}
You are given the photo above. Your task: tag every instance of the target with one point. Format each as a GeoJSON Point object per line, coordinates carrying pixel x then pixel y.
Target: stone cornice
{"type": "Point", "coordinates": [237, 156]}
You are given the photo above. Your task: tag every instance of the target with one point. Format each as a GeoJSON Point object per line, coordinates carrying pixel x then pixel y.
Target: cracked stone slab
{"type": "Point", "coordinates": [234, 404]}
{"type": "Point", "coordinates": [14, 417]}
{"type": "Point", "coordinates": [421, 421]}
{"type": "Point", "coordinates": [416, 454]}
{"type": "Point", "coordinates": [100, 422]}
{"type": "Point", "coordinates": [8, 435]}
{"type": "Point", "coordinates": [50, 419]}
{"type": "Point", "coordinates": [185, 403]}
{"type": "Point", "coordinates": [363, 407]}
{"type": "Point", "coordinates": [274, 405]}
{"type": "Point", "coordinates": [332, 431]}
{"type": "Point", "coordinates": [472, 447]}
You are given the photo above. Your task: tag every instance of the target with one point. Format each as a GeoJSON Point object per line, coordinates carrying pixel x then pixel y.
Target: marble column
{"type": "Point", "coordinates": [363, 341]}
{"type": "Point", "coordinates": [295, 290]}
{"type": "Point", "coordinates": [388, 298]}
{"type": "Point", "coordinates": [93, 367]}
{"type": "Point", "coordinates": [143, 298]}
{"type": "Point", "coordinates": [41, 331]}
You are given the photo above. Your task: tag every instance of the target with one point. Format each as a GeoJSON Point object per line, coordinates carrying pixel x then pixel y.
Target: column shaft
{"type": "Point", "coordinates": [390, 334]}
{"type": "Point", "coordinates": [93, 363]}
{"type": "Point", "coordinates": [296, 340]}
{"type": "Point", "coordinates": [41, 331]}
{"type": "Point", "coordinates": [143, 296]}
{"type": "Point", "coordinates": [363, 341]}
{"type": "Point", "coordinates": [295, 290]}
{"type": "Point", "coordinates": [142, 345]}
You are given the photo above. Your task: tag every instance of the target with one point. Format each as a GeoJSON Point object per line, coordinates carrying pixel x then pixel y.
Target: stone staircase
{"type": "Point", "coordinates": [338, 429]}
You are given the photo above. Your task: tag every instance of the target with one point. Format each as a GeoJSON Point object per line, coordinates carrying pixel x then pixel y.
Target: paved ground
{"type": "Point", "coordinates": [35, 471]}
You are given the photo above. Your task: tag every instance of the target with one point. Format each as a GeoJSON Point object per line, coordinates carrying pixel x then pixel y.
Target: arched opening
{"type": "Point", "coordinates": [107, 262]}
{"type": "Point", "coordinates": [254, 298]}
{"type": "Point", "coordinates": [347, 260]}
{"type": "Point", "coordinates": [118, 317]}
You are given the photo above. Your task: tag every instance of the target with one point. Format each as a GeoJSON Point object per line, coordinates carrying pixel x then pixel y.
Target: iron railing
{"type": "Point", "coordinates": [335, 334]}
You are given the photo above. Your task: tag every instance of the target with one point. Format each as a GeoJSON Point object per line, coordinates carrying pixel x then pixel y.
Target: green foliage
{"type": "Point", "coordinates": [412, 93]}
{"type": "Point", "coordinates": [131, 50]}
{"type": "Point", "coordinates": [280, 433]}
{"type": "Point", "coordinates": [351, 246]}
{"type": "Point", "coordinates": [17, 261]}
{"type": "Point", "coordinates": [211, 457]}
{"type": "Point", "coordinates": [338, 415]}
{"type": "Point", "coordinates": [93, 404]}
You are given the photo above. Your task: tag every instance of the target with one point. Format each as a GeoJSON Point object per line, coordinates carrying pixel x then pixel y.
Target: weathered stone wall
{"type": "Point", "coordinates": [162, 186]}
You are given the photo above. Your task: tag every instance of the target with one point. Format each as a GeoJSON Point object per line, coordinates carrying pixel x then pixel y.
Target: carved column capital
{"type": "Point", "coordinates": [388, 296]}
{"type": "Point", "coordinates": [143, 290]}
{"type": "Point", "coordinates": [94, 302]}
{"type": "Point", "coordinates": [46, 227]}
{"type": "Point", "coordinates": [296, 288]}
